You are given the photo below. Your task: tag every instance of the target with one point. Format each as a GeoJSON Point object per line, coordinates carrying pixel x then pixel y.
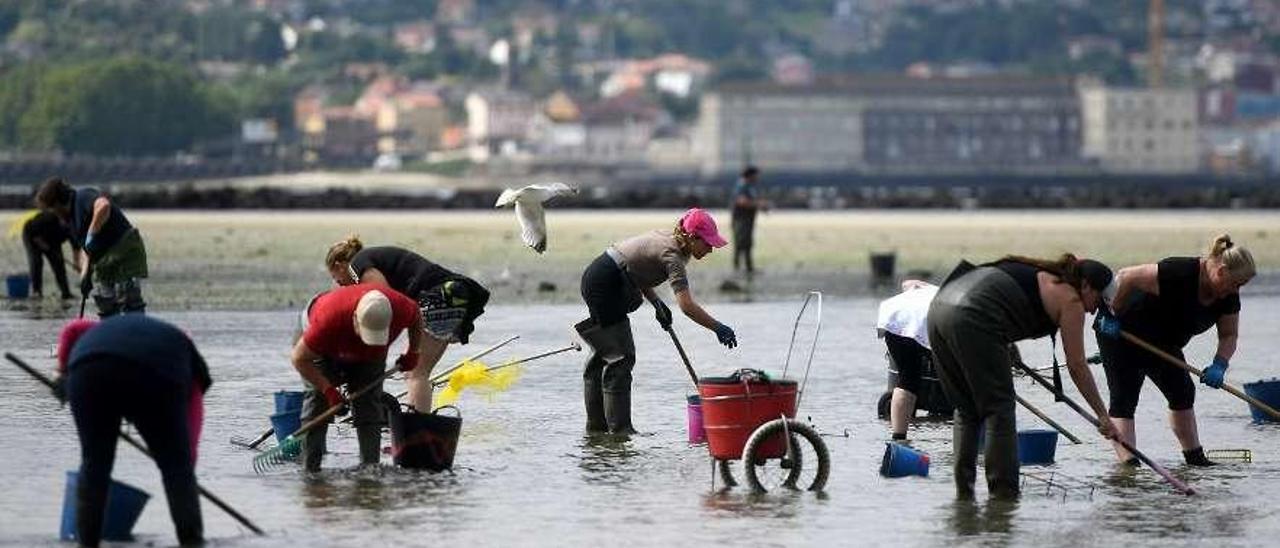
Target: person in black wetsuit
{"type": "Point", "coordinates": [1166, 304]}
{"type": "Point", "coordinates": [450, 302]}
{"type": "Point", "coordinates": [974, 318]}
{"type": "Point", "coordinates": [146, 371]}
{"type": "Point", "coordinates": [42, 236]}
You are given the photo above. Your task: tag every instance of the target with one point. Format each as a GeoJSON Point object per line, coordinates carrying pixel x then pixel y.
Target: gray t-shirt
{"type": "Point", "coordinates": [653, 258]}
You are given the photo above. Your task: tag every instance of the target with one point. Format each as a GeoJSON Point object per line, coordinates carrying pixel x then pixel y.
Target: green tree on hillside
{"type": "Point", "coordinates": [124, 106]}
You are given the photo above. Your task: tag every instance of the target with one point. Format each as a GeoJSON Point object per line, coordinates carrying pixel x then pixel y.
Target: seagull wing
{"type": "Point", "coordinates": [533, 224]}
{"type": "Point", "coordinates": [508, 197]}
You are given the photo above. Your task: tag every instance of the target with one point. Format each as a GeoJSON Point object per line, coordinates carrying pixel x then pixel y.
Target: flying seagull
{"type": "Point", "coordinates": [529, 211]}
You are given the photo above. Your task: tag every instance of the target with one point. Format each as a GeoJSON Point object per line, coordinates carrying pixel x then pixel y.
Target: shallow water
{"type": "Point", "coordinates": [525, 475]}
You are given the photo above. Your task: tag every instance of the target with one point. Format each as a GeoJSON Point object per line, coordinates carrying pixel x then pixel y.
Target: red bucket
{"type": "Point", "coordinates": [733, 407]}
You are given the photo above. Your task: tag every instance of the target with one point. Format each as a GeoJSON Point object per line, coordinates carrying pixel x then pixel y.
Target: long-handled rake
{"type": "Point", "coordinates": [279, 455]}
{"type": "Point", "coordinates": [244, 442]}
{"type": "Point", "coordinates": [442, 380]}
{"type": "Point", "coordinates": [136, 445]}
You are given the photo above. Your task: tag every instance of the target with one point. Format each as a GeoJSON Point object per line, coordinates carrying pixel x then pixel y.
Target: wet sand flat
{"type": "Point", "coordinates": [269, 259]}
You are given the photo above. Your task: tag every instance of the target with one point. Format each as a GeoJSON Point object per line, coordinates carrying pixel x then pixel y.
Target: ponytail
{"type": "Point", "coordinates": [1238, 260]}
{"type": "Point", "coordinates": [343, 251]}
{"type": "Point", "coordinates": [684, 240]}
{"type": "Point", "coordinates": [1071, 270]}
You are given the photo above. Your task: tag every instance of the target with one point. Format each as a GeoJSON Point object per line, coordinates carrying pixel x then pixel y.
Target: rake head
{"type": "Point", "coordinates": [284, 453]}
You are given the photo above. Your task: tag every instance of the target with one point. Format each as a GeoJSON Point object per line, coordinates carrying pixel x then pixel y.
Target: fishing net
{"type": "Point", "coordinates": [480, 377]}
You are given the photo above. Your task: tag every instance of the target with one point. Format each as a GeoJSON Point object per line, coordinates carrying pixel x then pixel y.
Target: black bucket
{"type": "Point", "coordinates": [425, 441]}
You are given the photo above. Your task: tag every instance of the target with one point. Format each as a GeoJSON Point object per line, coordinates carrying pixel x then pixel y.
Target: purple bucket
{"type": "Point", "coordinates": [693, 412]}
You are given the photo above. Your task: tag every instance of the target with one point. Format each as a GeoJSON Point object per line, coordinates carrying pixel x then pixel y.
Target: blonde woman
{"type": "Point", "coordinates": [612, 286]}
{"type": "Point", "coordinates": [1166, 304]}
{"type": "Point", "coordinates": [450, 302]}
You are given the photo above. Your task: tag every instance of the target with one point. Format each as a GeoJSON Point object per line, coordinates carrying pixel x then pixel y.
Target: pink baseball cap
{"type": "Point", "coordinates": [698, 222]}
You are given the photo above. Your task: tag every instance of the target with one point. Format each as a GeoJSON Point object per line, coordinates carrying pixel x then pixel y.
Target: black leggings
{"type": "Point", "coordinates": [35, 259]}
{"type": "Point", "coordinates": [909, 357]}
{"type": "Point", "coordinates": [1127, 366]}
{"type": "Point", "coordinates": [105, 390]}
{"type": "Point", "coordinates": [607, 292]}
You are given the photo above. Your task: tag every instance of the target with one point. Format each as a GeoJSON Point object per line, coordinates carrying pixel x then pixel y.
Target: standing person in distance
{"type": "Point", "coordinates": [743, 207]}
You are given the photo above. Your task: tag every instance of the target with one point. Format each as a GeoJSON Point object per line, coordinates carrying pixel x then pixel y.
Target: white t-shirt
{"type": "Point", "coordinates": [907, 314]}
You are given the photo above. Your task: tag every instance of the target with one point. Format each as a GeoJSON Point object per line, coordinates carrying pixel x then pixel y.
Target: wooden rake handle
{"type": "Point", "coordinates": [1156, 467]}
{"type": "Point", "coordinates": [137, 445]}
{"type": "Point", "coordinates": [1198, 373]}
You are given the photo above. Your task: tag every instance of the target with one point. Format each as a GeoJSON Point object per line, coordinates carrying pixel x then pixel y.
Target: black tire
{"type": "Point", "coordinates": [807, 449]}
{"type": "Point", "coordinates": [726, 473]}
{"type": "Point", "coordinates": [882, 406]}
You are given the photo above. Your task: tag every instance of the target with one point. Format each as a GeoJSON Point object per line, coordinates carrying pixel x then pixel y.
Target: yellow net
{"type": "Point", "coordinates": [477, 375]}
{"type": "Point", "coordinates": [15, 227]}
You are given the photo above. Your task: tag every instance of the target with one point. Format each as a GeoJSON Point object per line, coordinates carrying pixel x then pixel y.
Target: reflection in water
{"type": "Point", "coordinates": [608, 459]}
{"type": "Point", "coordinates": [526, 476]}
{"type": "Point", "coordinates": [968, 518]}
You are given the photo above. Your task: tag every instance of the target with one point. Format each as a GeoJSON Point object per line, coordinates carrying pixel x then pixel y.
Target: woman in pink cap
{"type": "Point", "coordinates": [612, 287]}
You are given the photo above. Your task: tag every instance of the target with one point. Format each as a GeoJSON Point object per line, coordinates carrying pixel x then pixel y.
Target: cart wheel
{"type": "Point", "coordinates": [882, 406]}
{"type": "Point", "coordinates": [726, 473]}
{"type": "Point", "coordinates": [806, 467]}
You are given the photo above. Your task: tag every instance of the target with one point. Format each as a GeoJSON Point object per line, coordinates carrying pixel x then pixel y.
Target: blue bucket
{"type": "Point", "coordinates": [1267, 392]}
{"type": "Point", "coordinates": [900, 461]}
{"type": "Point", "coordinates": [288, 400]}
{"type": "Point", "coordinates": [1037, 446]}
{"type": "Point", "coordinates": [124, 505]}
{"type": "Point", "coordinates": [19, 285]}
{"type": "Point", "coordinates": [284, 424]}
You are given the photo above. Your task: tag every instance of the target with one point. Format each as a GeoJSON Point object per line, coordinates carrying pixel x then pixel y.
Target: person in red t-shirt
{"type": "Point", "coordinates": [345, 342]}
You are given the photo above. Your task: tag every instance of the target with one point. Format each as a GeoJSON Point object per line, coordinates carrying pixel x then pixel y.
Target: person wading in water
{"type": "Point", "coordinates": [112, 247]}
{"type": "Point", "coordinates": [146, 371]}
{"type": "Point", "coordinates": [612, 286]}
{"type": "Point", "coordinates": [348, 332]}
{"type": "Point", "coordinates": [974, 318]}
{"type": "Point", "coordinates": [42, 236]}
{"type": "Point", "coordinates": [1166, 304]}
{"type": "Point", "coordinates": [449, 302]}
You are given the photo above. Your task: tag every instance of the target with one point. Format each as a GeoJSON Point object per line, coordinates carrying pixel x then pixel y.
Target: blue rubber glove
{"type": "Point", "coordinates": [1214, 374]}
{"type": "Point", "coordinates": [1107, 324]}
{"type": "Point", "coordinates": [726, 336]}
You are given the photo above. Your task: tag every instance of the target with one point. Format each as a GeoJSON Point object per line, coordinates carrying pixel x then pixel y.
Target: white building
{"type": "Point", "coordinates": [877, 124]}
{"type": "Point", "coordinates": [498, 123]}
{"type": "Point", "coordinates": [1151, 131]}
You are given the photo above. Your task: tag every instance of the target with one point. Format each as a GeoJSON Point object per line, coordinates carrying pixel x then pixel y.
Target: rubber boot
{"type": "Point", "coordinates": [313, 445]}
{"type": "Point", "coordinates": [617, 378]}
{"type": "Point", "coordinates": [1196, 457]}
{"type": "Point", "coordinates": [964, 439]}
{"type": "Point", "coordinates": [369, 437]}
{"type": "Point", "coordinates": [1001, 457]}
{"type": "Point", "coordinates": [593, 396]}
{"type": "Point", "coordinates": [608, 346]}
{"type": "Point", "coordinates": [617, 408]}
